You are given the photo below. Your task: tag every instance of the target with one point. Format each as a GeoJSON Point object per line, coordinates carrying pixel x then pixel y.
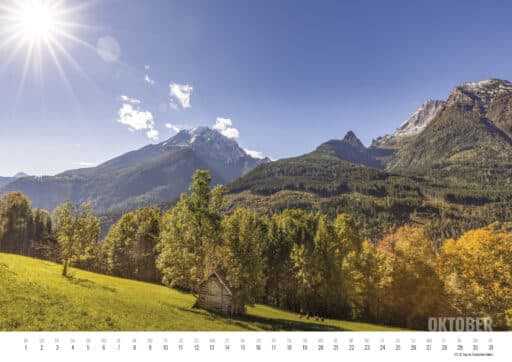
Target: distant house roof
{"type": "Point", "coordinates": [221, 275]}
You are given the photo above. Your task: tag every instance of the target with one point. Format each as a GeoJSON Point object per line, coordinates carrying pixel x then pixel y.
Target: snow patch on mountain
{"type": "Point", "coordinates": [420, 119]}
{"type": "Point", "coordinates": [492, 85]}
{"type": "Point", "coordinates": [414, 125]}
{"type": "Point", "coordinates": [209, 141]}
{"type": "Point", "coordinates": [479, 95]}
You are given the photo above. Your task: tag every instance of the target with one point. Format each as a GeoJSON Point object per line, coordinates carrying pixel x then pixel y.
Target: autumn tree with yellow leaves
{"type": "Point", "coordinates": [478, 272]}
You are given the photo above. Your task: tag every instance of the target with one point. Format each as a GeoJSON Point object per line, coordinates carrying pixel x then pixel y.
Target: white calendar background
{"type": "Point", "coordinates": [236, 346]}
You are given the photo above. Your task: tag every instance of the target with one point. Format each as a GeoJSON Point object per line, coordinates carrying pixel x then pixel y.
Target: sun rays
{"type": "Point", "coordinates": [33, 31]}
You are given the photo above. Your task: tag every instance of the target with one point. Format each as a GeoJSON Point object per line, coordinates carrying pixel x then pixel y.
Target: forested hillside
{"type": "Point", "coordinates": [310, 263]}
{"type": "Point", "coordinates": [447, 168]}
{"type": "Point", "coordinates": [378, 200]}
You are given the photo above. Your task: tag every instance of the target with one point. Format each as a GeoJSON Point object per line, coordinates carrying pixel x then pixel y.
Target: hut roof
{"type": "Point", "coordinates": [221, 276]}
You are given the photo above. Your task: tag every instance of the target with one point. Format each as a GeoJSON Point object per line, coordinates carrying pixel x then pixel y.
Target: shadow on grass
{"type": "Point", "coordinates": [271, 324]}
{"type": "Point", "coordinates": [254, 323]}
{"type": "Point", "coordinates": [86, 283]}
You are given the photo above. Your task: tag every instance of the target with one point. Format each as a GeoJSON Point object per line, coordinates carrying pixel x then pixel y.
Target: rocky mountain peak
{"type": "Point", "coordinates": [198, 135]}
{"type": "Point", "coordinates": [352, 140]}
{"type": "Point", "coordinates": [487, 86]}
{"type": "Point", "coordinates": [211, 143]}
{"type": "Point", "coordinates": [420, 118]}
{"type": "Point", "coordinates": [477, 96]}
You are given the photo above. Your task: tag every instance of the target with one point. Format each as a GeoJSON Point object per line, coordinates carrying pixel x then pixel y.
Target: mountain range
{"type": "Point", "coordinates": [448, 165]}
{"type": "Point", "coordinates": [152, 174]}
{"type": "Point", "coordinates": [452, 158]}
{"type": "Point", "coordinates": [473, 127]}
{"type": "Point", "coordinates": [6, 180]}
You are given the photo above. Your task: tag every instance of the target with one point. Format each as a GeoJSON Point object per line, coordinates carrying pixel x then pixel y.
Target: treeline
{"type": "Point", "coordinates": [464, 197]}
{"type": "Point", "coordinates": [297, 260]}
{"type": "Point", "coordinates": [24, 230]}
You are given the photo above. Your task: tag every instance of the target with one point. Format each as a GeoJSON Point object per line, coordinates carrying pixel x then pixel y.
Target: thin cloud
{"type": "Point", "coordinates": [180, 93]}
{"type": "Point", "coordinates": [152, 134]}
{"type": "Point", "coordinates": [172, 127]}
{"type": "Point", "coordinates": [254, 154]}
{"type": "Point", "coordinates": [224, 126]}
{"type": "Point", "coordinates": [147, 77]}
{"type": "Point", "coordinates": [148, 80]}
{"type": "Point", "coordinates": [85, 164]}
{"type": "Point", "coordinates": [138, 120]}
{"type": "Point", "coordinates": [129, 100]}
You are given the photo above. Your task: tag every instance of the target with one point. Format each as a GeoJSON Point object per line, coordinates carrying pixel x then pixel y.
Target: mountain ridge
{"type": "Point", "coordinates": [151, 174]}
{"type": "Point", "coordinates": [4, 180]}
{"type": "Point", "coordinates": [351, 149]}
{"type": "Point", "coordinates": [473, 126]}
{"type": "Point", "coordinates": [453, 175]}
{"type": "Point", "coordinates": [414, 125]}
{"type": "Point", "coordinates": [467, 131]}
{"type": "Point", "coordinates": [459, 151]}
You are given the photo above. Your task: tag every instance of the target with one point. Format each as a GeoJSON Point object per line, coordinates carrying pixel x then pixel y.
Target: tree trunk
{"type": "Point", "coordinates": [65, 268]}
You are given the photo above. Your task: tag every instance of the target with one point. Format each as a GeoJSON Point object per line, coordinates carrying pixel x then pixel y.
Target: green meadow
{"type": "Point", "coordinates": [35, 297]}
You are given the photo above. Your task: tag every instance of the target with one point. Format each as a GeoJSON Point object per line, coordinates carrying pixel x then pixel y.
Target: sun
{"type": "Point", "coordinates": [34, 33]}
{"type": "Point", "coordinates": [38, 20]}
{"type": "Point", "coordinates": [34, 21]}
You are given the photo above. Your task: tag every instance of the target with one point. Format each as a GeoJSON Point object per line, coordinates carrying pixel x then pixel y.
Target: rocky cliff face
{"type": "Point", "coordinates": [479, 96]}
{"type": "Point", "coordinates": [412, 126]}
{"type": "Point", "coordinates": [491, 99]}
{"type": "Point", "coordinates": [473, 128]}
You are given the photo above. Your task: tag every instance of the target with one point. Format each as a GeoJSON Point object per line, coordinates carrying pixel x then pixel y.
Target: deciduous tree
{"type": "Point", "coordinates": [244, 235]}
{"type": "Point", "coordinates": [478, 267]}
{"type": "Point", "coordinates": [190, 237]}
{"type": "Point", "coordinates": [77, 233]}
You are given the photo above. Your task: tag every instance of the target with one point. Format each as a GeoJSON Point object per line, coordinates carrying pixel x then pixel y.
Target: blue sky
{"type": "Point", "coordinates": [288, 74]}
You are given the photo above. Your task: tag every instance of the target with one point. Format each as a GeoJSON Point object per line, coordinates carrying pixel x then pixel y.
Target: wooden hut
{"type": "Point", "coordinates": [216, 295]}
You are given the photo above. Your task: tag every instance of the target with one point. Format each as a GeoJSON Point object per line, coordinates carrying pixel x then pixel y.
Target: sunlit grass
{"type": "Point", "coordinates": [34, 296]}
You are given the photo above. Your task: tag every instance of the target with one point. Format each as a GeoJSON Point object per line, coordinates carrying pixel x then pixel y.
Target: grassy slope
{"type": "Point", "coordinates": [34, 296]}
